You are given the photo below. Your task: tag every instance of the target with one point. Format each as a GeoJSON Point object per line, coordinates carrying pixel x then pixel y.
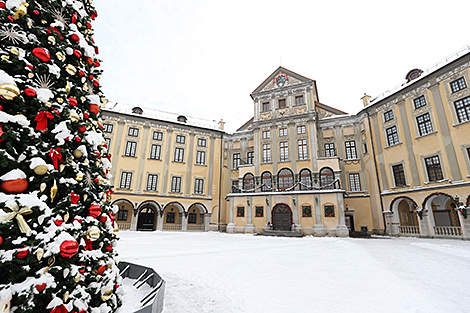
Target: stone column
{"type": "Point", "coordinates": [231, 227]}
{"type": "Point", "coordinates": [295, 214]}
{"type": "Point", "coordinates": [249, 227]}
{"type": "Point", "coordinates": [318, 229]}
{"type": "Point", "coordinates": [390, 220]}
{"type": "Point", "coordinates": [134, 220]}
{"type": "Point", "coordinates": [207, 221]}
{"type": "Point", "coordinates": [160, 221]}
{"type": "Point", "coordinates": [341, 229]}
{"type": "Point", "coordinates": [184, 222]}
{"type": "Point", "coordinates": [189, 167]}
{"type": "Point", "coordinates": [425, 228]}
{"type": "Point", "coordinates": [167, 160]}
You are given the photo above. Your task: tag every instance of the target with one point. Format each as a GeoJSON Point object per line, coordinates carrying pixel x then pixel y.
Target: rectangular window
{"type": "Point", "coordinates": [354, 182]}
{"type": "Point", "coordinates": [399, 175]}
{"type": "Point", "coordinates": [170, 217]}
{"type": "Point", "coordinates": [329, 211]}
{"type": "Point", "coordinates": [134, 132]}
{"type": "Point", "coordinates": [265, 106]}
{"type": "Point", "coordinates": [122, 215]}
{"type": "Point", "coordinates": [126, 178]}
{"type": "Point", "coordinates": [157, 135]}
{"type": "Point", "coordinates": [179, 155]}
{"type": "Point", "coordinates": [107, 128]}
{"type": "Point", "coordinates": [306, 211]}
{"type": "Point", "coordinates": [462, 108]}
{"type": "Point", "coordinates": [235, 187]}
{"type": "Point", "coordinates": [180, 139]}
{"type": "Point", "coordinates": [240, 211]}
{"type": "Point", "coordinates": [388, 116]}
{"type": "Point", "coordinates": [458, 84]}
{"type": "Point", "coordinates": [424, 124]}
{"type": "Point", "coordinates": [419, 102]}
{"type": "Point", "coordinates": [282, 131]}
{"type": "Point", "coordinates": [250, 157]}
{"type": "Point", "coordinates": [266, 152]}
{"type": "Point", "coordinates": [152, 182]}
{"type": "Point", "coordinates": [259, 211]}
{"type": "Point", "coordinates": [350, 149]}
{"type": "Point", "coordinates": [192, 218]}
{"type": "Point", "coordinates": [365, 148]}
{"type": "Point", "coordinates": [282, 103]}
{"type": "Point", "coordinates": [299, 100]}
{"type": "Point", "coordinates": [330, 150]}
{"type": "Point", "coordinates": [236, 160]}
{"type": "Point", "coordinates": [201, 142]}
{"type": "Point", "coordinates": [392, 136]}
{"type": "Point", "coordinates": [130, 148]}
{"type": "Point", "coordinates": [266, 134]}
{"type": "Point", "coordinates": [301, 129]}
{"type": "Point", "coordinates": [108, 144]}
{"type": "Point", "coordinates": [201, 157]}
{"type": "Point", "coordinates": [155, 152]}
{"type": "Point", "coordinates": [199, 186]}
{"type": "Point", "coordinates": [283, 151]}
{"type": "Point", "coordinates": [433, 167]}
{"type": "Point", "coordinates": [176, 184]}
{"type": "Point", "coordinates": [302, 144]}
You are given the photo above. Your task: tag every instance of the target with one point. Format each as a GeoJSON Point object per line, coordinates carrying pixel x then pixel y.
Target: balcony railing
{"type": "Point", "coordinates": [196, 227]}
{"type": "Point", "coordinates": [409, 230]}
{"type": "Point", "coordinates": [171, 226]}
{"type": "Point", "coordinates": [298, 186]}
{"type": "Point", "coordinates": [453, 231]}
{"type": "Point", "coordinates": [330, 153]}
{"type": "Point", "coordinates": [124, 226]}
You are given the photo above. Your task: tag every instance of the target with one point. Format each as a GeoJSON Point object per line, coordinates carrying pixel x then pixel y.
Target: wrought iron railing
{"type": "Point", "coordinates": [454, 231]}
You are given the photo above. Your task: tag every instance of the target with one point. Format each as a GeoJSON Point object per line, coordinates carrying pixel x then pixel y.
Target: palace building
{"type": "Point", "coordinates": [400, 166]}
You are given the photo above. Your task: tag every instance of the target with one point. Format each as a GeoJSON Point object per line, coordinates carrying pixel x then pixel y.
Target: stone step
{"type": "Point", "coordinates": [280, 233]}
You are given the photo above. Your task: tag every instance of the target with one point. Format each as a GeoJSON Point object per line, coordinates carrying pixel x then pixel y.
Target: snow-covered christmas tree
{"type": "Point", "coordinates": [57, 228]}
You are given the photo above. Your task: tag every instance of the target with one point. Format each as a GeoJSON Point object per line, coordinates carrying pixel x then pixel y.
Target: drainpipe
{"type": "Point", "coordinates": [221, 161]}
{"type": "Point", "coordinates": [377, 173]}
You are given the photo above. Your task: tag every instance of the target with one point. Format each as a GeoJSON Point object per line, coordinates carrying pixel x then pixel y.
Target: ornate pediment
{"type": "Point", "coordinates": [282, 79]}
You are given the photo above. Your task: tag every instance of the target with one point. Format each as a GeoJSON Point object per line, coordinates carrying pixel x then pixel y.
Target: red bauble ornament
{"type": "Point", "coordinates": [75, 38]}
{"type": "Point", "coordinates": [81, 73]}
{"type": "Point", "coordinates": [109, 248]}
{"type": "Point", "coordinates": [73, 102]}
{"type": "Point", "coordinates": [74, 17]}
{"type": "Point", "coordinates": [68, 248]}
{"type": "Point", "coordinates": [58, 222]}
{"type": "Point", "coordinates": [10, 18]}
{"type": "Point", "coordinates": [30, 67]}
{"type": "Point", "coordinates": [101, 270]}
{"type": "Point", "coordinates": [2, 5]}
{"type": "Point", "coordinates": [94, 108]}
{"type": "Point", "coordinates": [14, 186]}
{"type": "Point", "coordinates": [96, 83]}
{"type": "Point", "coordinates": [79, 220]}
{"type": "Point", "coordinates": [78, 139]}
{"type": "Point", "coordinates": [89, 60]}
{"type": "Point", "coordinates": [97, 51]}
{"type": "Point", "coordinates": [36, 12]}
{"type": "Point", "coordinates": [97, 63]}
{"type": "Point", "coordinates": [85, 115]}
{"type": "Point", "coordinates": [82, 129]}
{"type": "Point", "coordinates": [1, 240]}
{"type": "Point", "coordinates": [30, 92]}
{"type": "Point", "coordinates": [90, 77]}
{"type": "Point", "coordinates": [41, 287]}
{"type": "Point", "coordinates": [77, 53]}
{"type": "Point", "coordinates": [103, 219]}
{"type": "Point", "coordinates": [73, 197]}
{"type": "Point", "coordinates": [22, 253]}
{"type": "Point", "coordinates": [94, 210]}
{"type": "Point", "coordinates": [42, 54]}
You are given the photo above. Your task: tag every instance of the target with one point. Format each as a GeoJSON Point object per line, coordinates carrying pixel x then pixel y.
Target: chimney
{"type": "Point", "coordinates": [221, 125]}
{"type": "Point", "coordinates": [365, 100]}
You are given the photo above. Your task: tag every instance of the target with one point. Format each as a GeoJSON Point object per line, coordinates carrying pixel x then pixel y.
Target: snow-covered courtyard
{"type": "Point", "coordinates": [222, 273]}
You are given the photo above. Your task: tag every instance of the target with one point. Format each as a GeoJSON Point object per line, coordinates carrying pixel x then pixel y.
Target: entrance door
{"type": "Point", "coordinates": [146, 219]}
{"type": "Point", "coordinates": [282, 217]}
{"type": "Point", "coordinates": [349, 221]}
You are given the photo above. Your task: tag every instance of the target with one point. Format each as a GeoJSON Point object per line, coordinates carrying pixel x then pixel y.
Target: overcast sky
{"type": "Point", "coordinates": [203, 58]}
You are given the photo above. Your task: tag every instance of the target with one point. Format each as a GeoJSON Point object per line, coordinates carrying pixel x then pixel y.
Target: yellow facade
{"type": "Point", "coordinates": [399, 166]}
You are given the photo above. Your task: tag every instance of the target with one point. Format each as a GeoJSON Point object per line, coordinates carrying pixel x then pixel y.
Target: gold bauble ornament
{"type": "Point", "coordinates": [61, 167]}
{"type": "Point", "coordinates": [40, 169]}
{"type": "Point", "coordinates": [15, 51]}
{"type": "Point", "coordinates": [106, 295]}
{"type": "Point", "coordinates": [68, 87]}
{"type": "Point", "coordinates": [69, 68]}
{"type": "Point", "coordinates": [9, 91]}
{"type": "Point", "coordinates": [21, 11]}
{"type": "Point", "coordinates": [60, 100]}
{"type": "Point", "coordinates": [66, 296]}
{"type": "Point", "coordinates": [66, 217]}
{"type": "Point", "coordinates": [77, 278]}
{"type": "Point", "coordinates": [77, 153]}
{"type": "Point", "coordinates": [43, 187]}
{"type": "Point", "coordinates": [5, 58]}
{"type": "Point", "coordinates": [82, 98]}
{"type": "Point", "coordinates": [100, 180]}
{"type": "Point", "coordinates": [29, 23]}
{"type": "Point", "coordinates": [85, 196]}
{"type": "Point", "coordinates": [79, 177]}
{"type": "Point", "coordinates": [54, 190]}
{"type": "Point", "coordinates": [93, 234]}
{"type": "Point", "coordinates": [47, 104]}
{"type": "Point", "coordinates": [39, 254]}
{"type": "Point", "coordinates": [44, 22]}
{"type": "Point", "coordinates": [79, 24]}
{"type": "Point", "coordinates": [85, 88]}
{"type": "Point", "coordinates": [51, 39]}
{"type": "Point", "coordinates": [30, 75]}
{"type": "Point", "coordinates": [74, 116]}
{"type": "Point", "coordinates": [60, 56]}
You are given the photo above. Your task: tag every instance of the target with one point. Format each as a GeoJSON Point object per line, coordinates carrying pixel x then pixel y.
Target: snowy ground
{"type": "Point", "coordinates": [222, 273]}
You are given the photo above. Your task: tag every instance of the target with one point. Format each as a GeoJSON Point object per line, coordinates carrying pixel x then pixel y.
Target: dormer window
{"type": "Point", "coordinates": [182, 119]}
{"type": "Point", "coordinates": [413, 74]}
{"type": "Point", "coordinates": [137, 110]}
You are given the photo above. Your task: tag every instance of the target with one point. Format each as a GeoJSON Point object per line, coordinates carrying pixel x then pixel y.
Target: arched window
{"type": "Point", "coordinates": [305, 179]}
{"type": "Point", "coordinates": [327, 177]}
{"type": "Point", "coordinates": [248, 182]}
{"type": "Point", "coordinates": [285, 179]}
{"type": "Point", "coordinates": [266, 181]}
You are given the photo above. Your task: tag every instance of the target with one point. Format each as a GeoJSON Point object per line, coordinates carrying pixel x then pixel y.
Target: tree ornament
{"type": "Point", "coordinates": [93, 234]}
{"type": "Point", "coordinates": [30, 92]}
{"type": "Point", "coordinates": [14, 185]}
{"type": "Point", "coordinates": [101, 269]}
{"type": "Point", "coordinates": [59, 222]}
{"type": "Point", "coordinates": [60, 56]}
{"type": "Point", "coordinates": [62, 167]}
{"type": "Point", "coordinates": [41, 287]}
{"type": "Point", "coordinates": [69, 68]}
{"type": "Point", "coordinates": [14, 212]}
{"type": "Point", "coordinates": [77, 53]}
{"type": "Point", "coordinates": [51, 39]}
{"type": "Point", "coordinates": [66, 296]}
{"type": "Point", "coordinates": [41, 118]}
{"type": "Point", "coordinates": [94, 210]}
{"type": "Point", "coordinates": [22, 253]}
{"type": "Point", "coordinates": [56, 157]}
{"type": "Point", "coordinates": [106, 295]}
{"type": "Point", "coordinates": [40, 169]}
{"type": "Point", "coordinates": [42, 187]}
{"type": "Point", "coordinates": [9, 91]}
{"type": "Point", "coordinates": [2, 5]}
{"type": "Point", "coordinates": [77, 153]}
{"type": "Point", "coordinates": [73, 102]}
{"type": "Point", "coordinates": [82, 129]}
{"type": "Point", "coordinates": [1, 240]}
{"type": "Point", "coordinates": [22, 10]}
{"type": "Point", "coordinates": [68, 248]}
{"type": "Point", "coordinates": [15, 51]}
{"type": "Point", "coordinates": [74, 198]}
{"type": "Point", "coordinates": [75, 38]}
{"type": "Point", "coordinates": [74, 116]}
{"type": "Point", "coordinates": [103, 218]}
{"type": "Point", "coordinates": [42, 54]}
{"type": "Point", "coordinates": [54, 190]}
{"type": "Point", "coordinates": [94, 108]}
{"type": "Point", "coordinates": [39, 254]}
{"type": "Point", "coordinates": [66, 272]}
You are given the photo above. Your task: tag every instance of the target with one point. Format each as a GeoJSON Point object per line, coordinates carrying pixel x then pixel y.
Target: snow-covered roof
{"type": "Point", "coordinates": [454, 56]}
{"type": "Point", "coordinates": [161, 115]}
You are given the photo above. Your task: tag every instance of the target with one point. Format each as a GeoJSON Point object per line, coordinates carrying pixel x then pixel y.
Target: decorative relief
{"type": "Point", "coordinates": [266, 115]}
{"type": "Point", "coordinates": [282, 112]}
{"type": "Point", "coordinates": [450, 73]}
{"type": "Point", "coordinates": [421, 110]}
{"type": "Point", "coordinates": [300, 109]}
{"type": "Point", "coordinates": [460, 94]}
{"type": "Point", "coordinates": [416, 90]}
{"type": "Point", "coordinates": [386, 106]}
{"type": "Point", "coordinates": [323, 114]}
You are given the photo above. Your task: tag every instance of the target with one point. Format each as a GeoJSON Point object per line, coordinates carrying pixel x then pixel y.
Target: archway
{"type": "Point", "coordinates": [404, 209]}
{"type": "Point", "coordinates": [282, 217]}
{"type": "Point", "coordinates": [173, 216]}
{"type": "Point", "coordinates": [196, 213]}
{"type": "Point", "coordinates": [124, 214]}
{"type": "Point", "coordinates": [444, 217]}
{"type": "Point", "coordinates": [147, 219]}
